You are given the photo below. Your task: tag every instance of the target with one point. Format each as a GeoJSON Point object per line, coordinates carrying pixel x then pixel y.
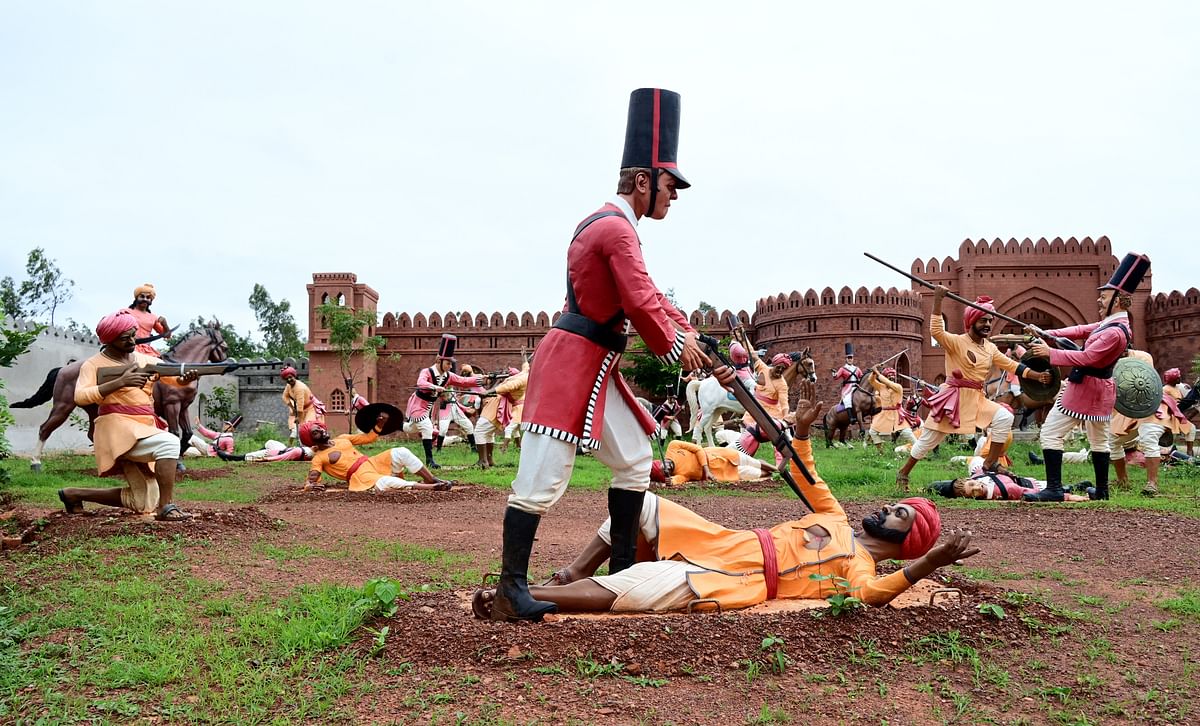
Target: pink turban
{"type": "Point", "coordinates": [112, 326]}
{"type": "Point", "coordinates": [288, 371]}
{"type": "Point", "coordinates": [1172, 376]}
{"type": "Point", "coordinates": [781, 359]}
{"type": "Point", "coordinates": [512, 371]}
{"type": "Point", "coordinates": [738, 355]}
{"type": "Point", "coordinates": [970, 315]}
{"type": "Point", "coordinates": [306, 429]}
{"type": "Point", "coordinates": [926, 528]}
{"type": "Point", "coordinates": [890, 373]}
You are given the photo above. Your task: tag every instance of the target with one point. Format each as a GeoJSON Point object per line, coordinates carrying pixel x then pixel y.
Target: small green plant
{"type": "Point", "coordinates": [380, 641]}
{"type": "Point", "coordinates": [589, 668]}
{"type": "Point", "coordinates": [379, 597]}
{"type": "Point", "coordinates": [776, 659]}
{"type": "Point", "coordinates": [992, 610]}
{"type": "Point", "coordinates": [841, 602]}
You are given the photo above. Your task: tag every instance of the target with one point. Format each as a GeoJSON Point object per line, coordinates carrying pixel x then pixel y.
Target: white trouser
{"type": "Point", "coordinates": [1145, 434]}
{"type": "Point", "coordinates": [457, 416]}
{"type": "Point", "coordinates": [141, 492]}
{"type": "Point", "coordinates": [425, 426]}
{"type": "Point", "coordinates": [998, 431]}
{"type": "Point", "coordinates": [904, 436]}
{"type": "Point", "coordinates": [1059, 424]}
{"type": "Point", "coordinates": [485, 431]}
{"type": "Point", "coordinates": [547, 463]}
{"type": "Point", "coordinates": [403, 460]}
{"type": "Point", "coordinates": [648, 524]}
{"type": "Point", "coordinates": [673, 428]}
{"type": "Point", "coordinates": [650, 586]}
{"type": "Point", "coordinates": [513, 430]}
{"type": "Point", "coordinates": [271, 448]}
{"type": "Point", "coordinates": [750, 468]}
{"type": "Point", "coordinates": [199, 444]}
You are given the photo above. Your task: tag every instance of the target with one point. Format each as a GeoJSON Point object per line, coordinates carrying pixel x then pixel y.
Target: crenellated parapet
{"type": "Point", "coordinates": [862, 297]}
{"type": "Point", "coordinates": [497, 322]}
{"type": "Point", "coordinates": [51, 331]}
{"type": "Point", "coordinates": [1173, 328]}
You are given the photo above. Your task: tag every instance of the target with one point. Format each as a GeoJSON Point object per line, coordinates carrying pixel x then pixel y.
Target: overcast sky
{"type": "Point", "coordinates": [445, 151]}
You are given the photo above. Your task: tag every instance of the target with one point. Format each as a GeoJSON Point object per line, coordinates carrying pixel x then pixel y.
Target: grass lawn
{"type": "Point", "coordinates": [120, 629]}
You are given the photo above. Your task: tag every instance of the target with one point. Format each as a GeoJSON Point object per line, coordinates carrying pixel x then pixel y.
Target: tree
{"type": "Point", "coordinates": [348, 336]}
{"type": "Point", "coordinates": [43, 291]}
{"type": "Point", "coordinates": [240, 346]}
{"type": "Point", "coordinates": [281, 336]}
{"type": "Point", "coordinates": [704, 307]}
{"type": "Point", "coordinates": [648, 371]}
{"type": "Point", "coordinates": [14, 343]}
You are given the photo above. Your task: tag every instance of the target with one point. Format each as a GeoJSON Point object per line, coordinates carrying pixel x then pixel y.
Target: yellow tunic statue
{"type": "Point", "coordinates": [974, 361]}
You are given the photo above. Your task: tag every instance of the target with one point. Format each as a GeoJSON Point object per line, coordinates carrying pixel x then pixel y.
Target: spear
{"type": "Point", "coordinates": [1057, 342]}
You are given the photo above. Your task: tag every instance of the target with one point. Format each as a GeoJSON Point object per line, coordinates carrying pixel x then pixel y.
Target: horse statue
{"type": "Point", "coordinates": [709, 401]}
{"type": "Point", "coordinates": [837, 422]}
{"type": "Point", "coordinates": [171, 403]}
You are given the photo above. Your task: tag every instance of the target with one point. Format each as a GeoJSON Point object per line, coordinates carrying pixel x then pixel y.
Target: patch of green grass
{"type": "Point", "coordinates": [120, 629]}
{"type": "Point", "coordinates": [1187, 604]}
{"type": "Point", "coordinates": [769, 714]}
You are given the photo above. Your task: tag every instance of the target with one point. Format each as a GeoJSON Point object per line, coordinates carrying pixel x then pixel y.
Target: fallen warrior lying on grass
{"type": "Point", "coordinates": [683, 556]}
{"type": "Point", "coordinates": [339, 459]}
{"type": "Point", "coordinates": [988, 485]}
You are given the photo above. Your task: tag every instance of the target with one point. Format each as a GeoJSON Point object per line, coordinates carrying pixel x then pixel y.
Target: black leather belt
{"type": "Point", "coordinates": [593, 331]}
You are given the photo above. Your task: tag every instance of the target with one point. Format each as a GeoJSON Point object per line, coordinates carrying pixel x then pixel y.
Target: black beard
{"type": "Point", "coordinates": [873, 524]}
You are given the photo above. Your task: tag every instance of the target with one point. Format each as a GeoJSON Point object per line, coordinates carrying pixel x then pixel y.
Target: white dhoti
{"type": "Point", "coordinates": [650, 586]}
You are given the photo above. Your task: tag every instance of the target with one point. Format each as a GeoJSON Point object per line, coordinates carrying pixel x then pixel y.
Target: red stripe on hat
{"type": "Point", "coordinates": [654, 134]}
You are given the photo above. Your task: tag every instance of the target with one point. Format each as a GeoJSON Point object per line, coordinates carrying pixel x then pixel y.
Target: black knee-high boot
{"type": "Point", "coordinates": [625, 512]}
{"type": "Point", "coordinates": [1053, 491]}
{"type": "Point", "coordinates": [513, 601]}
{"type": "Point", "coordinates": [1100, 462]}
{"type": "Point", "coordinates": [427, 444]}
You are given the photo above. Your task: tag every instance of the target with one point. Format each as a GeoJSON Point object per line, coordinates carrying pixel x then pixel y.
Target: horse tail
{"type": "Point", "coordinates": [44, 394]}
{"type": "Point", "coordinates": [693, 403]}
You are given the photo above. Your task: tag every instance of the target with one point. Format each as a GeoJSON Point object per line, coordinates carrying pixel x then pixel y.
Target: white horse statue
{"type": "Point", "coordinates": [709, 401]}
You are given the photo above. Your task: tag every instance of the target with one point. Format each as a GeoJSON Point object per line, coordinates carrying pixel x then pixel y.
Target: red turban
{"type": "Point", "coordinates": [1172, 376]}
{"type": "Point", "coordinates": [970, 315]}
{"type": "Point", "coordinates": [657, 473]}
{"type": "Point", "coordinates": [738, 355]}
{"type": "Point", "coordinates": [781, 359]}
{"type": "Point", "coordinates": [926, 528]}
{"type": "Point", "coordinates": [306, 430]}
{"type": "Point", "coordinates": [112, 326]}
{"type": "Point", "coordinates": [889, 373]}
{"type": "Point", "coordinates": [288, 371]}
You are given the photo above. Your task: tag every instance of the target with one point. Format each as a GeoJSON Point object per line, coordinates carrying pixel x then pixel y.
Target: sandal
{"type": "Point", "coordinates": [71, 507]}
{"type": "Point", "coordinates": [172, 513]}
{"type": "Point", "coordinates": [481, 603]}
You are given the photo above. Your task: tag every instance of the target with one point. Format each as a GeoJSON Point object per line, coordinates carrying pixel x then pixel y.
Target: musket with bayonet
{"type": "Point", "coordinates": [778, 437]}
{"type": "Point", "coordinates": [179, 369]}
{"type": "Point", "coordinates": [1052, 340]}
{"type": "Point", "coordinates": [918, 381]}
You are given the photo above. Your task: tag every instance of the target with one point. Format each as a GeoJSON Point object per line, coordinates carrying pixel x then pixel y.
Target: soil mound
{"type": "Point", "coordinates": [109, 522]}
{"type": "Point", "coordinates": [296, 495]}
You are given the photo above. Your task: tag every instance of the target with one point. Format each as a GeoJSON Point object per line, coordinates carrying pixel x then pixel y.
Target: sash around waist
{"type": "Point", "coordinates": [354, 467]}
{"type": "Point", "coordinates": [770, 562]}
{"type": "Point", "coordinates": [126, 410]}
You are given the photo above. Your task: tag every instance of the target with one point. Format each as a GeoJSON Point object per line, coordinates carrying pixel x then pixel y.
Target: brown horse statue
{"type": "Point", "coordinates": [837, 423]}
{"type": "Point", "coordinates": [171, 403]}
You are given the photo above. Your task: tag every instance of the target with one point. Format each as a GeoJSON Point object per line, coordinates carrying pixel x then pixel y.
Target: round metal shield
{"type": "Point", "coordinates": [1038, 391]}
{"type": "Point", "coordinates": [367, 416]}
{"type": "Point", "coordinates": [1139, 389]}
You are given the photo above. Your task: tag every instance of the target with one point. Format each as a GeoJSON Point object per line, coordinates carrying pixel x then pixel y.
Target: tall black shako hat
{"type": "Point", "coordinates": [849, 350]}
{"type": "Point", "coordinates": [1128, 274]}
{"type": "Point", "coordinates": [447, 346]}
{"type": "Point", "coordinates": [652, 136]}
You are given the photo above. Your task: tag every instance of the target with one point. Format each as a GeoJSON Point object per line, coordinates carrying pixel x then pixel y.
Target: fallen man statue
{"type": "Point", "coordinates": [338, 458]}
{"type": "Point", "coordinates": [683, 557]}
{"type": "Point", "coordinates": [684, 462]}
{"type": "Point", "coordinates": [1000, 486]}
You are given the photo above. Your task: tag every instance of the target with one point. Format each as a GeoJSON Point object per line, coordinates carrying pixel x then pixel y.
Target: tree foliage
{"type": "Point", "coordinates": [14, 343]}
{"type": "Point", "coordinates": [280, 334]}
{"type": "Point", "coordinates": [43, 291]}
{"type": "Point", "coordinates": [240, 346]}
{"type": "Point", "coordinates": [648, 371]}
{"type": "Point", "coordinates": [348, 330]}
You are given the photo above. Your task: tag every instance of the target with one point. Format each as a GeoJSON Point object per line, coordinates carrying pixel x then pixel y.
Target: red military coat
{"type": "Point", "coordinates": [565, 398]}
{"type": "Point", "coordinates": [1092, 398]}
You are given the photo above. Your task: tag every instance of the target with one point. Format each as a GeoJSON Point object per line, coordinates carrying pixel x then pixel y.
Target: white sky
{"type": "Point", "coordinates": [445, 151]}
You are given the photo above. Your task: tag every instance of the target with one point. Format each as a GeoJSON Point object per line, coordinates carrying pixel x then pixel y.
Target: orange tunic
{"type": "Point", "coordinates": [690, 459]}
{"type": "Point", "coordinates": [734, 558]}
{"type": "Point", "coordinates": [891, 395]}
{"type": "Point", "coordinates": [116, 433]}
{"type": "Point", "coordinates": [339, 467]}
{"type": "Point", "coordinates": [975, 360]}
{"type": "Point", "coordinates": [1173, 424]}
{"type": "Point", "coordinates": [298, 398]}
{"type": "Point", "coordinates": [505, 407]}
{"type": "Point", "coordinates": [772, 393]}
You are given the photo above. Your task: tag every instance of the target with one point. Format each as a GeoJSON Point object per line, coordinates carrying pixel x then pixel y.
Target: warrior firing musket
{"type": "Point", "coordinates": [112, 373]}
{"type": "Point", "coordinates": [431, 382]}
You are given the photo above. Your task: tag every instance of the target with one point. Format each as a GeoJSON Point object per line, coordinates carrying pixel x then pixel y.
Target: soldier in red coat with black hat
{"type": "Point", "coordinates": [431, 383]}
{"type": "Point", "coordinates": [1087, 398]}
{"type": "Point", "coordinates": [576, 395]}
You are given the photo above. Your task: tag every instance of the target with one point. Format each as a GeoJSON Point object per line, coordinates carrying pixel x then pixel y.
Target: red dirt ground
{"type": "Point", "coordinates": [1092, 645]}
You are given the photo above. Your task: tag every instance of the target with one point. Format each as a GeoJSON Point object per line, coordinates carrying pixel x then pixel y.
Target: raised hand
{"type": "Point", "coordinates": [952, 549]}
